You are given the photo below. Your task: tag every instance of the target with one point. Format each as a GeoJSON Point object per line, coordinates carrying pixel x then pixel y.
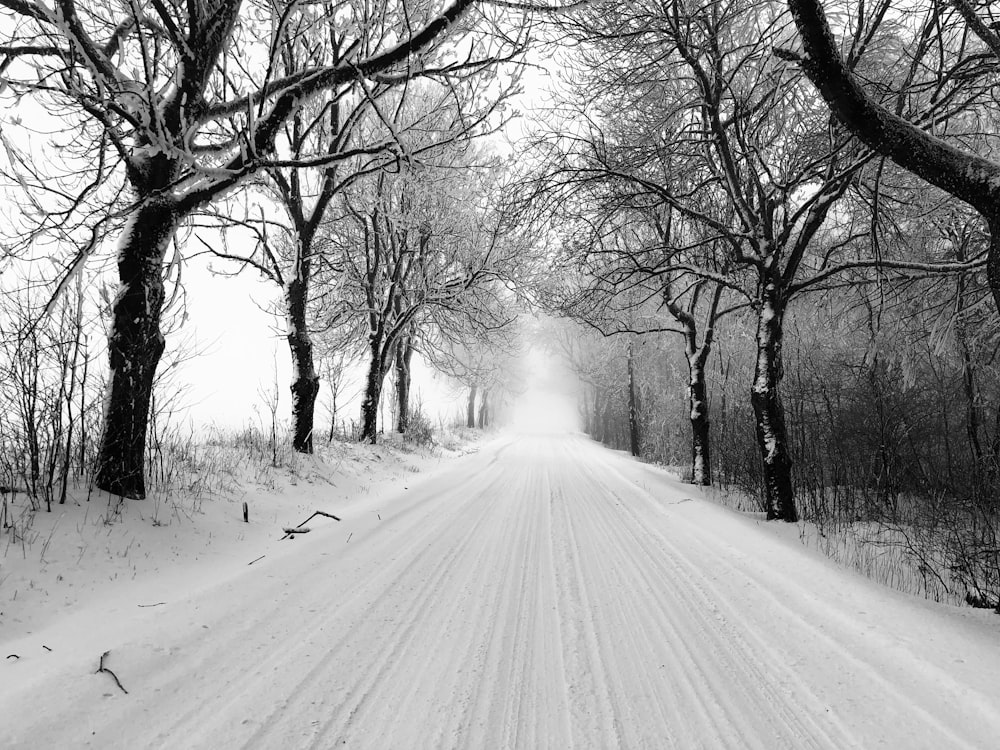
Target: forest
{"type": "Point", "coordinates": [763, 237]}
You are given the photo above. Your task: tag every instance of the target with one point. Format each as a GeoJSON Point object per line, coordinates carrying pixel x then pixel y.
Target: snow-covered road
{"type": "Point", "coordinates": [542, 593]}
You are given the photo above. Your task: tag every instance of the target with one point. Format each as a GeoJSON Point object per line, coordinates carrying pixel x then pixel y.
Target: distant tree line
{"type": "Point", "coordinates": [738, 208]}
{"type": "Point", "coordinates": [329, 146]}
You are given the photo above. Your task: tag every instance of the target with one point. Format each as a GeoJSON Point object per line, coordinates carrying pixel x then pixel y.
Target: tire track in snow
{"type": "Point", "coordinates": [807, 635]}
{"type": "Point", "coordinates": [327, 631]}
{"type": "Point", "coordinates": [412, 591]}
{"type": "Point", "coordinates": [630, 592]}
{"type": "Point", "coordinates": [540, 599]}
{"type": "Point", "coordinates": [810, 625]}
{"type": "Point", "coordinates": [720, 680]}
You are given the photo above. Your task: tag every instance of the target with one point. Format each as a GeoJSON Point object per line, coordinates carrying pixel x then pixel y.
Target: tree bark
{"type": "Point", "coordinates": [373, 393]}
{"type": "Point", "coordinates": [404, 353]}
{"type": "Point", "coordinates": [701, 463]}
{"type": "Point", "coordinates": [470, 410]}
{"type": "Point", "coordinates": [772, 437]}
{"type": "Point", "coordinates": [135, 345]}
{"type": "Point", "coordinates": [633, 408]}
{"type": "Point", "coordinates": [696, 356]}
{"type": "Point", "coordinates": [972, 409]}
{"type": "Point", "coordinates": [305, 381]}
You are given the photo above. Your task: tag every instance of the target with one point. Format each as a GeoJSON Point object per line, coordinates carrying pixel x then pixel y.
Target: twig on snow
{"type": "Point", "coordinates": [152, 605]}
{"type": "Point", "coordinates": [259, 558]}
{"type": "Point", "coordinates": [102, 668]}
{"type": "Point", "coordinates": [292, 531]}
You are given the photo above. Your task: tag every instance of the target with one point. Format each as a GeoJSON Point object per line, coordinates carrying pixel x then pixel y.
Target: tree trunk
{"type": "Point", "coordinates": [83, 409]}
{"type": "Point", "coordinates": [404, 353]}
{"type": "Point", "coordinates": [595, 423]}
{"type": "Point", "coordinates": [373, 393]}
{"type": "Point", "coordinates": [607, 436]}
{"type": "Point", "coordinates": [333, 412]}
{"type": "Point", "coordinates": [701, 464]}
{"type": "Point", "coordinates": [633, 408]}
{"type": "Point", "coordinates": [484, 409]}
{"type": "Point", "coordinates": [135, 345]}
{"type": "Point", "coordinates": [597, 429]}
{"type": "Point", "coordinates": [972, 409]}
{"type": "Point", "coordinates": [470, 411]}
{"type": "Point", "coordinates": [305, 381]}
{"type": "Point", "coordinates": [772, 437]}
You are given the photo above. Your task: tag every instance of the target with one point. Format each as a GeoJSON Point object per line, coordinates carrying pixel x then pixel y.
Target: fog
{"type": "Point", "coordinates": [549, 402]}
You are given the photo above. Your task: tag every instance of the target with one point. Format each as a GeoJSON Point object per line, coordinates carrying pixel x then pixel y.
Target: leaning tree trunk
{"type": "Point", "coordinates": [470, 410]}
{"type": "Point", "coordinates": [772, 437]}
{"type": "Point", "coordinates": [373, 393]}
{"type": "Point", "coordinates": [701, 463]}
{"type": "Point", "coordinates": [135, 345]}
{"type": "Point", "coordinates": [305, 382]}
{"type": "Point", "coordinates": [966, 175]}
{"type": "Point", "coordinates": [633, 406]}
{"type": "Point", "coordinates": [404, 353]}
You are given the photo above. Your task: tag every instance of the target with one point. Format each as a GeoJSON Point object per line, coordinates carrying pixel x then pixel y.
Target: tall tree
{"type": "Point", "coordinates": [169, 96]}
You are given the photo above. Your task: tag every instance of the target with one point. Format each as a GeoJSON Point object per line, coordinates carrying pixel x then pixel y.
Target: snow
{"type": "Point", "coordinates": [541, 592]}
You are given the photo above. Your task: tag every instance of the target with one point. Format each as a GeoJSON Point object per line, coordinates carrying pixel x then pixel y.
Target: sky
{"type": "Point", "coordinates": [239, 354]}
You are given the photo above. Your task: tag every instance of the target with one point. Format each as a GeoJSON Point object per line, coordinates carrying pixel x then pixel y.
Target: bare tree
{"type": "Point", "coordinates": [719, 133]}
{"type": "Point", "coordinates": [960, 72]}
{"type": "Point", "coordinates": [418, 245]}
{"type": "Point", "coordinates": [169, 98]}
{"type": "Point", "coordinates": [370, 127]}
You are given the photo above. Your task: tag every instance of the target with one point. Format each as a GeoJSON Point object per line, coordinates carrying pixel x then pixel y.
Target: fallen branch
{"type": "Point", "coordinates": [259, 558]}
{"type": "Point", "coordinates": [317, 513]}
{"type": "Point", "coordinates": [152, 605]}
{"type": "Point", "coordinates": [291, 531]}
{"type": "Point", "coordinates": [102, 668]}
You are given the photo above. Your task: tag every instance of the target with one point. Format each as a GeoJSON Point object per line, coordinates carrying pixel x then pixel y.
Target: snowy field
{"type": "Point", "coordinates": [539, 592]}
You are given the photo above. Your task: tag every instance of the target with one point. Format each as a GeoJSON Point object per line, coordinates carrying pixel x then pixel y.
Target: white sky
{"type": "Point", "coordinates": [240, 349]}
{"type": "Point", "coordinates": [243, 351]}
